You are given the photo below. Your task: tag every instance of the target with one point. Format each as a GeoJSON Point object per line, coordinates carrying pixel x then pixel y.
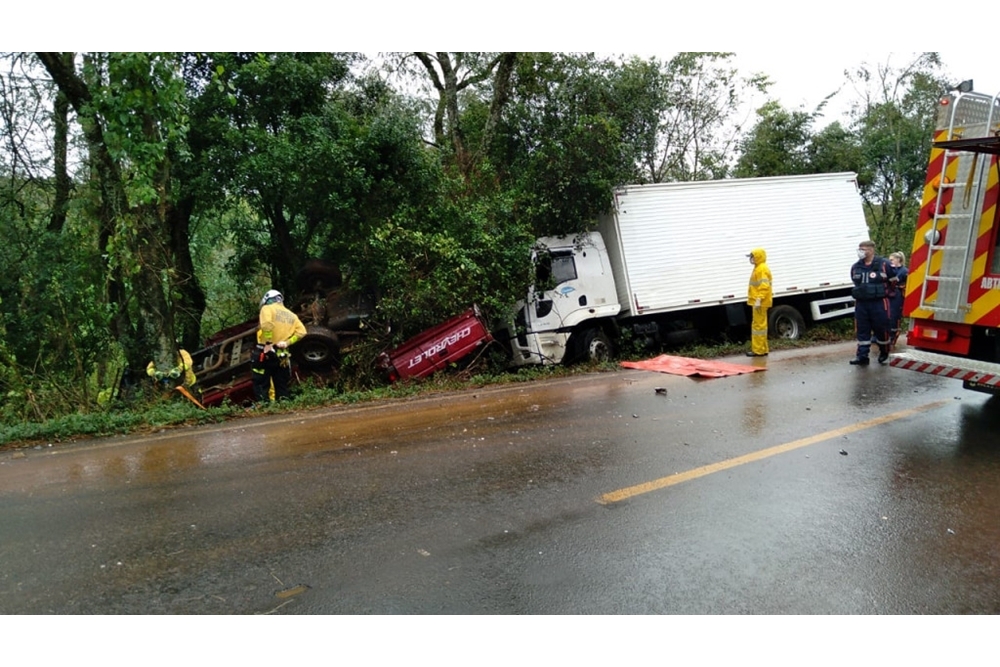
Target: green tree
{"type": "Point", "coordinates": [54, 326]}
{"type": "Point", "coordinates": [894, 124]}
{"type": "Point", "coordinates": [833, 149]}
{"type": "Point", "coordinates": [451, 75]}
{"type": "Point", "coordinates": [131, 108]}
{"type": "Point", "coordinates": [260, 134]}
{"type": "Point", "coordinates": [783, 142]}
{"type": "Point", "coordinates": [691, 131]}
{"type": "Point", "coordinates": [562, 145]}
{"type": "Point", "coordinates": [312, 160]}
{"type": "Point", "coordinates": [778, 145]}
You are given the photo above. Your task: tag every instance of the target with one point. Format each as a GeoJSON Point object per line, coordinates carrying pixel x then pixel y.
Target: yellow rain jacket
{"type": "Point", "coordinates": [185, 367]}
{"type": "Point", "coordinates": [760, 280]}
{"type": "Point", "coordinates": [277, 323]}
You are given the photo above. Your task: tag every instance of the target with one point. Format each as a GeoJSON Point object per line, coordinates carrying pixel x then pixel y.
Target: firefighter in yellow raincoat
{"type": "Point", "coordinates": [181, 377]}
{"type": "Point", "coordinates": [183, 369]}
{"type": "Point", "coordinates": [270, 361]}
{"type": "Point", "coordinates": [759, 298]}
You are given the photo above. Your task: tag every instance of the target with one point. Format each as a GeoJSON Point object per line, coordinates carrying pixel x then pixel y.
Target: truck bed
{"type": "Point", "coordinates": [437, 347]}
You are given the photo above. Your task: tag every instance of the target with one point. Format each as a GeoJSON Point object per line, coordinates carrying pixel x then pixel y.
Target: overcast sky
{"type": "Point", "coordinates": [804, 82]}
{"type": "Point", "coordinates": [804, 48]}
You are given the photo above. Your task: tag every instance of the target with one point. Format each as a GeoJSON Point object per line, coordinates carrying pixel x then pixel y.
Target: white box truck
{"type": "Point", "coordinates": [669, 262]}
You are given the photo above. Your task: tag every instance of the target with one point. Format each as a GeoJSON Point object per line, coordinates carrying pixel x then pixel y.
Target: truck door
{"type": "Point", "coordinates": [554, 271]}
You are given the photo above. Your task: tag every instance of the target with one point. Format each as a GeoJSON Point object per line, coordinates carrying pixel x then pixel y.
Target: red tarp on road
{"type": "Point", "coordinates": [685, 366]}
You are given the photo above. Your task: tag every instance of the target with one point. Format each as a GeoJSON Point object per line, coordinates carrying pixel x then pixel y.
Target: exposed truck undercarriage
{"type": "Point", "coordinates": [334, 317]}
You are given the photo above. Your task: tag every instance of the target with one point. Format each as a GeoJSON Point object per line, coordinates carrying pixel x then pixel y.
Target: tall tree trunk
{"type": "Point", "coordinates": [449, 83]}
{"type": "Point", "coordinates": [449, 75]}
{"type": "Point", "coordinates": [60, 122]}
{"type": "Point", "coordinates": [502, 82]}
{"type": "Point", "coordinates": [428, 63]}
{"type": "Point", "coordinates": [151, 335]}
{"type": "Point", "coordinates": [185, 281]}
{"type": "Point", "coordinates": [155, 321]}
{"type": "Point", "coordinates": [286, 259]}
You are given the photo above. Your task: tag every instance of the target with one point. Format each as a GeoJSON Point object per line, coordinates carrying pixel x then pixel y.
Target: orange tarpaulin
{"type": "Point", "coordinates": [686, 366]}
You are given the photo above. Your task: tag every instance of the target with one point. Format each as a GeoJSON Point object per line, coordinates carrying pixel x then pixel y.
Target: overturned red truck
{"type": "Point", "coordinates": [334, 317]}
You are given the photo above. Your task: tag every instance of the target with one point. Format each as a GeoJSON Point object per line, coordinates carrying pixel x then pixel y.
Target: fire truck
{"type": "Point", "coordinates": [953, 291]}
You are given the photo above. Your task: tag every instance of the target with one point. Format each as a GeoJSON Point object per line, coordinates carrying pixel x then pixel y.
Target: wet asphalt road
{"type": "Point", "coordinates": [590, 494]}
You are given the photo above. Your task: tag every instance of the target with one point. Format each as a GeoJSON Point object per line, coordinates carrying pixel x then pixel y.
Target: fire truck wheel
{"type": "Point", "coordinates": [785, 322]}
{"type": "Point", "coordinates": [319, 350]}
{"type": "Point", "coordinates": [596, 346]}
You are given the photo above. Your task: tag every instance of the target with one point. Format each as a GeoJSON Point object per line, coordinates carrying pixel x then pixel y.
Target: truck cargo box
{"type": "Point", "coordinates": [676, 246]}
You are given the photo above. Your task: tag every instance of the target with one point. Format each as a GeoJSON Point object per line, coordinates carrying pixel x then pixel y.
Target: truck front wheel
{"type": "Point", "coordinates": [596, 346]}
{"type": "Point", "coordinates": [785, 322]}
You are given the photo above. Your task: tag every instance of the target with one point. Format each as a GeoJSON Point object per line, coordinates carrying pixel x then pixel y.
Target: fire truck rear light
{"type": "Point", "coordinates": [929, 333]}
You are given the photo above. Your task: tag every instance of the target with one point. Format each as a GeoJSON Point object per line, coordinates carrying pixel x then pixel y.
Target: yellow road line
{"type": "Point", "coordinates": [677, 478]}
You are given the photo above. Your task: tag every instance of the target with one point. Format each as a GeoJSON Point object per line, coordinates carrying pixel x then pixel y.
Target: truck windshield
{"type": "Point", "coordinates": [554, 268]}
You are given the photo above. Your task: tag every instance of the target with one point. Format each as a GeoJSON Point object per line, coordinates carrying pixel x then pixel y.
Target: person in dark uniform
{"type": "Point", "coordinates": [897, 292]}
{"type": "Point", "coordinates": [871, 275]}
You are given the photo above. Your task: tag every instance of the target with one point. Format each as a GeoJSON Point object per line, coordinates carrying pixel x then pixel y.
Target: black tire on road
{"type": "Point", "coordinates": [319, 350]}
{"type": "Point", "coordinates": [785, 322]}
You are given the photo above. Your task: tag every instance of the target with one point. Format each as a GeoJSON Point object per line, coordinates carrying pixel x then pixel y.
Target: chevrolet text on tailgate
{"type": "Point", "coordinates": [953, 291]}
{"type": "Point", "coordinates": [438, 347]}
{"type": "Point", "coordinates": [447, 343]}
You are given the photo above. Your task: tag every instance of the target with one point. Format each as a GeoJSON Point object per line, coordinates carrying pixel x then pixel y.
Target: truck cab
{"type": "Point", "coordinates": [572, 297]}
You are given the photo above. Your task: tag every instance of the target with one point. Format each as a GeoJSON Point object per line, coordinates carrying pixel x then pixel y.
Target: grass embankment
{"type": "Point", "coordinates": [173, 411]}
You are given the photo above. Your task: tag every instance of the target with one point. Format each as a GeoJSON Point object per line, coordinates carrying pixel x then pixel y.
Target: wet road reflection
{"type": "Point", "coordinates": [487, 502]}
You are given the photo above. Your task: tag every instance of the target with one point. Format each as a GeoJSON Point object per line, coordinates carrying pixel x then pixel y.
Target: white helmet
{"type": "Point", "coordinates": [272, 296]}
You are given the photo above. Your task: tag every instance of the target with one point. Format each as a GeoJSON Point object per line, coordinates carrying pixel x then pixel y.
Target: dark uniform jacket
{"type": "Point", "coordinates": [871, 281]}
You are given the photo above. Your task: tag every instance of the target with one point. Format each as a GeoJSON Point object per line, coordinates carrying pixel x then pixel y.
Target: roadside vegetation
{"type": "Point", "coordinates": [148, 200]}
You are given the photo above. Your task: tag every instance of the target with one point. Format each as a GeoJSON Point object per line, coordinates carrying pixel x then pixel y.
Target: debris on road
{"type": "Point", "coordinates": [289, 592]}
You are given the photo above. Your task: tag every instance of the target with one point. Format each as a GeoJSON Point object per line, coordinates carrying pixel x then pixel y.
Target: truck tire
{"type": "Point", "coordinates": [595, 346]}
{"type": "Point", "coordinates": [319, 350]}
{"type": "Point", "coordinates": [785, 322]}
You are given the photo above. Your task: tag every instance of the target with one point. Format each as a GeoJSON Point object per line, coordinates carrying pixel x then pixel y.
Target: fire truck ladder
{"type": "Point", "coordinates": [961, 216]}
